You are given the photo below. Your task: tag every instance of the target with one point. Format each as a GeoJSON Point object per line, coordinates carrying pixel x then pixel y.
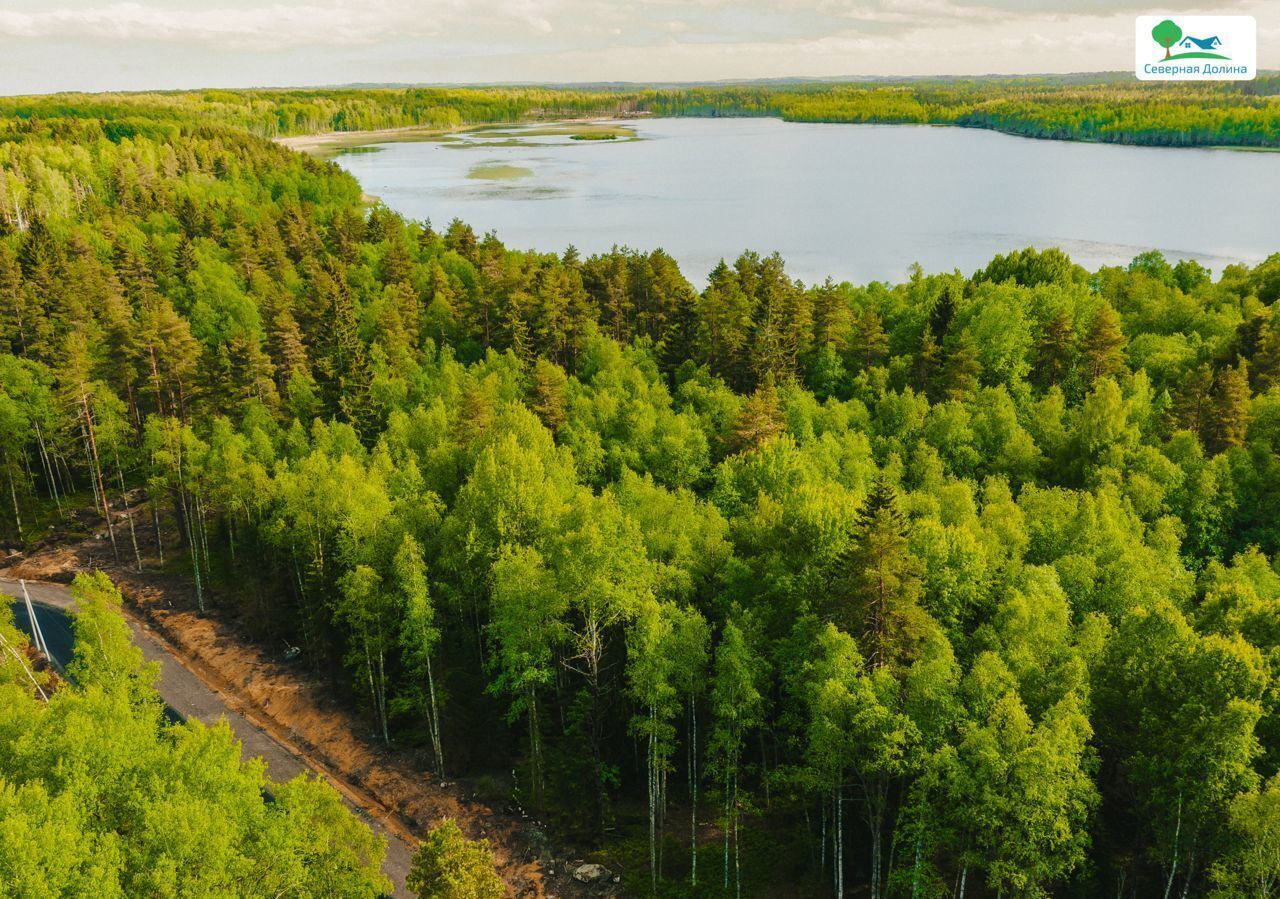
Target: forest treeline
{"type": "Point", "coordinates": [101, 795]}
{"type": "Point", "coordinates": [962, 586]}
{"type": "Point", "coordinates": [1111, 109]}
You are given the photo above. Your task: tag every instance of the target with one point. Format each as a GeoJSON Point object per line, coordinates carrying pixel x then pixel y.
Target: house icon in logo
{"type": "Point", "coordinates": [1168, 33]}
{"type": "Point", "coordinates": [1203, 43]}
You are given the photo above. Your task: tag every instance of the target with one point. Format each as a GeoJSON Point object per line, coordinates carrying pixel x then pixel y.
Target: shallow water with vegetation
{"type": "Point", "coordinates": [852, 201]}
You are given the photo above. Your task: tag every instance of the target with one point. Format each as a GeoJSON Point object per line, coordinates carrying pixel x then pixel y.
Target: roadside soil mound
{"type": "Point", "coordinates": [298, 710]}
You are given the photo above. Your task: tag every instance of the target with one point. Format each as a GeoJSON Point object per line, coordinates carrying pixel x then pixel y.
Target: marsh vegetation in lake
{"type": "Point", "coordinates": [851, 201]}
{"type": "Point", "coordinates": [497, 171]}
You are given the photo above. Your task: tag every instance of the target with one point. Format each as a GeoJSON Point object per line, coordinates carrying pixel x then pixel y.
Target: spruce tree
{"type": "Point", "coordinates": [878, 585]}
{"type": "Point", "coordinates": [943, 311]}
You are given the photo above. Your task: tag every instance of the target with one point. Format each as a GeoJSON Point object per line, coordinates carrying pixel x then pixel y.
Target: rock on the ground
{"type": "Point", "coordinates": [592, 873]}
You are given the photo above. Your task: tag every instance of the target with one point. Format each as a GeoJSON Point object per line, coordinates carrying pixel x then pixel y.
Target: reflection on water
{"type": "Point", "coordinates": [857, 202]}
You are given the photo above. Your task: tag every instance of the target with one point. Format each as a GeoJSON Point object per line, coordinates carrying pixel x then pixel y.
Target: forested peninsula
{"type": "Point", "coordinates": [1112, 109]}
{"type": "Point", "coordinates": [962, 586]}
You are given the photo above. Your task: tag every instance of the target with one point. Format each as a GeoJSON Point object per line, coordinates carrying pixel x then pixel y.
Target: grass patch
{"type": "Point", "coordinates": [571, 130]}
{"type": "Point", "coordinates": [493, 171]}
{"type": "Point", "coordinates": [580, 131]}
{"type": "Point", "coordinates": [1245, 149]}
{"type": "Point", "coordinates": [488, 144]}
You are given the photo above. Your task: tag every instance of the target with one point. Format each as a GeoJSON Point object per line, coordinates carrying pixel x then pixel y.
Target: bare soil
{"type": "Point", "coordinates": [301, 712]}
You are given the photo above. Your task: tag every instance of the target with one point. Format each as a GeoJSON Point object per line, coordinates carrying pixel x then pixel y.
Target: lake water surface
{"type": "Point", "coordinates": [856, 202]}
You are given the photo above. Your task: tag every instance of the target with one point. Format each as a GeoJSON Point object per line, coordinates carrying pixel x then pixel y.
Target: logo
{"type": "Point", "coordinates": [1195, 48]}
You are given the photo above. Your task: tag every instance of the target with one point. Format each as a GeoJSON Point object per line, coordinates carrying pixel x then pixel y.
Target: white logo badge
{"type": "Point", "coordinates": [1195, 48]}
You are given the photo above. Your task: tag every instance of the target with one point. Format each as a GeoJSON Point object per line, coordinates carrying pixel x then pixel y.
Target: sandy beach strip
{"type": "Point", "coordinates": [328, 142]}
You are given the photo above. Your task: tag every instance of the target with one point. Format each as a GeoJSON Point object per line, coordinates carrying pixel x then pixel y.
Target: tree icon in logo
{"type": "Point", "coordinates": [1166, 34]}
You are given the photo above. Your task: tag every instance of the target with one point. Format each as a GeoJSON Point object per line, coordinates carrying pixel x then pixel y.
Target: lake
{"type": "Point", "coordinates": [856, 202]}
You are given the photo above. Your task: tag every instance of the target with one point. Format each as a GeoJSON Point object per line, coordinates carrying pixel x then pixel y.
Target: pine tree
{"type": "Point", "coordinates": [346, 233]}
{"type": "Point", "coordinates": [759, 420]}
{"type": "Point", "coordinates": [726, 318]}
{"type": "Point", "coordinates": [344, 363]}
{"type": "Point", "coordinates": [1230, 410]}
{"type": "Point", "coordinates": [832, 317]}
{"type": "Point", "coordinates": [441, 317]}
{"type": "Point", "coordinates": [868, 343]}
{"type": "Point", "coordinates": [1265, 367]}
{"type": "Point", "coordinates": [547, 394]}
{"type": "Point", "coordinates": [397, 267]}
{"type": "Point", "coordinates": [288, 349]}
{"type": "Point", "coordinates": [1192, 402]}
{"type": "Point", "coordinates": [1103, 347]}
{"type": "Point", "coordinates": [926, 361]}
{"type": "Point", "coordinates": [961, 369]}
{"type": "Point", "coordinates": [169, 354]}
{"type": "Point", "coordinates": [461, 239]}
{"type": "Point", "coordinates": [1054, 350]}
{"type": "Point", "coordinates": [134, 273]}
{"type": "Point", "coordinates": [519, 339]}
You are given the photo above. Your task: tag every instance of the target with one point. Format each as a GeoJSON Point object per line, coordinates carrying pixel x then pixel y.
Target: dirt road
{"type": "Point", "coordinates": [192, 697]}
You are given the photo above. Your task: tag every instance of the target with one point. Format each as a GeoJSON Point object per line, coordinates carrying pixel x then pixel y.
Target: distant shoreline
{"type": "Point", "coordinates": [311, 143]}
{"type": "Point", "coordinates": [328, 142]}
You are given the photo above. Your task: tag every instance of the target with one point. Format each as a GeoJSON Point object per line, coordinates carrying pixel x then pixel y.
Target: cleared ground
{"type": "Point", "coordinates": [191, 697]}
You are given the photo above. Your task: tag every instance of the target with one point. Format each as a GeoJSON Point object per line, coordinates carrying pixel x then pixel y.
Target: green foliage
{"type": "Point", "coordinates": [953, 581]}
{"type": "Point", "coordinates": [105, 654]}
{"type": "Point", "coordinates": [1113, 109]}
{"type": "Point", "coordinates": [1166, 34]}
{"type": "Point", "coordinates": [1252, 866]}
{"type": "Point", "coordinates": [101, 796]}
{"type": "Point", "coordinates": [449, 866]}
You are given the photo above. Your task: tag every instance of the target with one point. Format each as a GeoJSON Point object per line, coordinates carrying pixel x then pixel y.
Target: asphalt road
{"type": "Point", "coordinates": [189, 697]}
{"type": "Point", "coordinates": [54, 625]}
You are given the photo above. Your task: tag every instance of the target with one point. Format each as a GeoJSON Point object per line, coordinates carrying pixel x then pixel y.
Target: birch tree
{"type": "Point", "coordinates": [738, 706]}
{"type": "Point", "coordinates": [420, 633]}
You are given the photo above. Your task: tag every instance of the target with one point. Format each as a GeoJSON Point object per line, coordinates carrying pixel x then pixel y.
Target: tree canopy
{"type": "Point", "coordinates": [960, 583]}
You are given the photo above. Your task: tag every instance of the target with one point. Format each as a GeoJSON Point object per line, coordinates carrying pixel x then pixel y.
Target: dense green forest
{"type": "Point", "coordinates": [1104, 109]}
{"type": "Point", "coordinates": [101, 796]}
{"type": "Point", "coordinates": [956, 587]}
{"type": "Point", "coordinates": [1121, 111]}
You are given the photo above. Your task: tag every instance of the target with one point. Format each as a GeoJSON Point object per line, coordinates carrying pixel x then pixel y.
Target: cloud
{"type": "Point", "coordinates": [336, 23]}
{"type": "Point", "coordinates": [285, 24]}
{"type": "Point", "coordinates": [139, 44]}
{"type": "Point", "coordinates": [277, 25]}
{"type": "Point", "coordinates": [1092, 7]}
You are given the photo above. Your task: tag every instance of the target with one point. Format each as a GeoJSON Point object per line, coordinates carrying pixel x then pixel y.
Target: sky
{"type": "Point", "coordinates": [94, 45]}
